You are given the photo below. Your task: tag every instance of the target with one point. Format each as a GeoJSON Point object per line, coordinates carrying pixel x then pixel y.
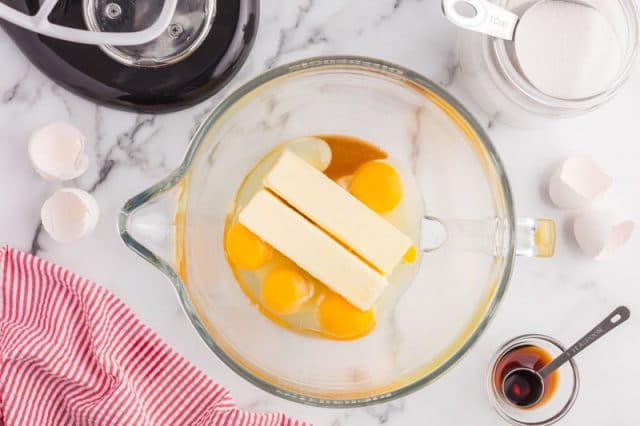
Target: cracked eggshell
{"type": "Point", "coordinates": [314, 151]}
{"type": "Point", "coordinates": [600, 232]}
{"type": "Point", "coordinates": [69, 214]}
{"type": "Point", "coordinates": [577, 182]}
{"type": "Point", "coordinates": [57, 152]}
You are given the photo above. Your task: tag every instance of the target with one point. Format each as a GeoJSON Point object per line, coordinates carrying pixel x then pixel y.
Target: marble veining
{"type": "Point", "coordinates": [562, 296]}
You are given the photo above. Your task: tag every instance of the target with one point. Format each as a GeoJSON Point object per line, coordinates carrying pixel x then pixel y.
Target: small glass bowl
{"type": "Point", "coordinates": [551, 410]}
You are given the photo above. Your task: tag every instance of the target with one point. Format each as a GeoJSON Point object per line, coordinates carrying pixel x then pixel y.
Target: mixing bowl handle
{"type": "Point", "coordinates": [532, 237]}
{"type": "Point", "coordinates": [147, 224]}
{"type": "Point", "coordinates": [535, 237]}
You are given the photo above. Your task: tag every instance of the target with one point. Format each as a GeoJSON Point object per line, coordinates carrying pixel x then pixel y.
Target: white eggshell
{"type": "Point", "coordinates": [577, 182]}
{"type": "Point", "coordinates": [57, 151]}
{"type": "Point", "coordinates": [600, 232]}
{"type": "Point", "coordinates": [314, 151]}
{"type": "Point", "coordinates": [69, 214]}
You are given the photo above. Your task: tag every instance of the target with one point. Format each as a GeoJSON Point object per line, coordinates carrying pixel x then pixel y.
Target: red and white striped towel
{"type": "Point", "coordinates": [71, 353]}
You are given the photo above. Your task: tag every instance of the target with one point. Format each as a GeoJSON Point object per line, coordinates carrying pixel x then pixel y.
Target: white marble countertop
{"type": "Point", "coordinates": [562, 297]}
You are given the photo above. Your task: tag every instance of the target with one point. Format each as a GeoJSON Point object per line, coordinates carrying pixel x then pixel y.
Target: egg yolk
{"type": "Point", "coordinates": [245, 249]}
{"type": "Point", "coordinates": [378, 185]}
{"type": "Point", "coordinates": [341, 319]}
{"type": "Point", "coordinates": [411, 255]}
{"type": "Point", "coordinates": [284, 290]}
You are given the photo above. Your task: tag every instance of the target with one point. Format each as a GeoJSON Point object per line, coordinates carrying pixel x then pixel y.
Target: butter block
{"type": "Point", "coordinates": [312, 249]}
{"type": "Point", "coordinates": [338, 212]}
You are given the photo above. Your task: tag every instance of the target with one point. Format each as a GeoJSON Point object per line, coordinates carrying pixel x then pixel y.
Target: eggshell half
{"type": "Point", "coordinates": [577, 182]}
{"type": "Point", "coordinates": [599, 233]}
{"type": "Point", "coordinates": [69, 214]}
{"type": "Point", "coordinates": [57, 152]}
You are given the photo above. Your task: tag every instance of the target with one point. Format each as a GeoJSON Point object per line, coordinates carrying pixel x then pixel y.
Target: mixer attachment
{"type": "Point", "coordinates": [40, 23]}
{"type": "Point", "coordinates": [186, 31]}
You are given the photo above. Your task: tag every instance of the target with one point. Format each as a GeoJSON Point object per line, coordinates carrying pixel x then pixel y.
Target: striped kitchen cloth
{"type": "Point", "coordinates": [71, 353]}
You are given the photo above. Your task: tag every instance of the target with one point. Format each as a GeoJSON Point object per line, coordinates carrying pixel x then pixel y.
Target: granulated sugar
{"type": "Point", "coordinates": [567, 50]}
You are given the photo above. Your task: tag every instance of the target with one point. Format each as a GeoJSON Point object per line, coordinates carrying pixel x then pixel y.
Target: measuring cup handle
{"type": "Point", "coordinates": [533, 237]}
{"type": "Point", "coordinates": [487, 18]}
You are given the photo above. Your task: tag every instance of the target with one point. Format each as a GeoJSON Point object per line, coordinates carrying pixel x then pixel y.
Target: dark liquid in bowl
{"type": "Point", "coordinates": [520, 389]}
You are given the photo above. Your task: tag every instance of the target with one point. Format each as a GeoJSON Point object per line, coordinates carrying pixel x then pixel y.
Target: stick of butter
{"type": "Point", "coordinates": [338, 212]}
{"type": "Point", "coordinates": [312, 249]}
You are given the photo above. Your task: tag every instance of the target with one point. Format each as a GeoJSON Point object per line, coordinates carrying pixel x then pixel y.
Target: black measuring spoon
{"type": "Point", "coordinates": [524, 387]}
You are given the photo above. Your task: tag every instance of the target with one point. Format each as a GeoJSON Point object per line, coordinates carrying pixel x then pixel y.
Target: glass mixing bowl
{"type": "Point", "coordinates": [470, 235]}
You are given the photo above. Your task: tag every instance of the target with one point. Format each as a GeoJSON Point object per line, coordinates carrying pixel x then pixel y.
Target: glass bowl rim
{"type": "Point", "coordinates": [355, 63]}
{"type": "Point", "coordinates": [520, 341]}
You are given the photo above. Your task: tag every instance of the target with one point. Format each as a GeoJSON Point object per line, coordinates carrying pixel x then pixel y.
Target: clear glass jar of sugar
{"type": "Point", "coordinates": [493, 75]}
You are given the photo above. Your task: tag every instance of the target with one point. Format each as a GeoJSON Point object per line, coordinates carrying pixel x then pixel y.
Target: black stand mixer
{"type": "Point", "coordinates": [143, 55]}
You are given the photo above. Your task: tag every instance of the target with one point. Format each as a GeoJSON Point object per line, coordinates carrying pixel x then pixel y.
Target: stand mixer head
{"type": "Point", "coordinates": [147, 55]}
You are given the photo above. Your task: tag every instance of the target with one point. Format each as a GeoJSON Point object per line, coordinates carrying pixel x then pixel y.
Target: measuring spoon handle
{"type": "Point", "coordinates": [486, 17]}
{"type": "Point", "coordinates": [614, 319]}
